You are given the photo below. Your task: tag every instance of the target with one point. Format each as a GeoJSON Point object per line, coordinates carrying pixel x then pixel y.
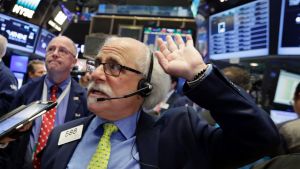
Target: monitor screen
{"type": "Point", "coordinates": [131, 31]}
{"type": "Point", "coordinates": [81, 65]}
{"type": "Point", "coordinates": [279, 116]}
{"type": "Point", "coordinates": [240, 32]}
{"type": "Point", "coordinates": [21, 35]}
{"type": "Point", "coordinates": [93, 43]}
{"type": "Point", "coordinates": [152, 33]}
{"type": "Point", "coordinates": [44, 38]}
{"type": "Point", "coordinates": [289, 35]}
{"type": "Point", "coordinates": [18, 63]}
{"type": "Point", "coordinates": [20, 78]}
{"type": "Point", "coordinates": [286, 86]}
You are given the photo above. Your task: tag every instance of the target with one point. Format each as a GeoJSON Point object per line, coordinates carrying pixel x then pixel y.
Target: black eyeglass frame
{"type": "Point", "coordinates": [107, 69]}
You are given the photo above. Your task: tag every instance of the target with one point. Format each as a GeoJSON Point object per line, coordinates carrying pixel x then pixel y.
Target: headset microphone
{"type": "Point", "coordinates": [148, 87]}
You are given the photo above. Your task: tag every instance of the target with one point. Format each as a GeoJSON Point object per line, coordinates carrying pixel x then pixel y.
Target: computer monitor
{"type": "Point", "coordinates": [152, 33]}
{"type": "Point", "coordinates": [131, 31]}
{"type": "Point", "coordinates": [20, 35]}
{"type": "Point", "coordinates": [240, 32]}
{"type": "Point", "coordinates": [92, 44]}
{"type": "Point", "coordinates": [279, 116]}
{"type": "Point", "coordinates": [289, 35]}
{"type": "Point", "coordinates": [81, 65]}
{"type": "Point", "coordinates": [20, 78]}
{"type": "Point", "coordinates": [18, 63]}
{"type": "Point", "coordinates": [44, 38]}
{"type": "Point", "coordinates": [286, 85]}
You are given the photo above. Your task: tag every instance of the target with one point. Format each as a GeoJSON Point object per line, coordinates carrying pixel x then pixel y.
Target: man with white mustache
{"type": "Point", "coordinates": [71, 102]}
{"type": "Point", "coordinates": [120, 135]}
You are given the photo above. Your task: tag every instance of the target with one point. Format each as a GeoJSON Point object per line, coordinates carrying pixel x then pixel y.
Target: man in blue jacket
{"type": "Point", "coordinates": [120, 135]}
{"type": "Point", "coordinates": [57, 83]}
{"type": "Point", "coordinates": [8, 82]}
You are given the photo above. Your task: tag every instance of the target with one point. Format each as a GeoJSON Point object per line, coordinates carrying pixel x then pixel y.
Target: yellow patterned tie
{"type": "Point", "coordinates": [101, 156]}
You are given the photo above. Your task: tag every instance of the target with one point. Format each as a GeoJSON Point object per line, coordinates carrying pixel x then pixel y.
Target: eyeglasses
{"type": "Point", "coordinates": [112, 69]}
{"type": "Point", "coordinates": [62, 51]}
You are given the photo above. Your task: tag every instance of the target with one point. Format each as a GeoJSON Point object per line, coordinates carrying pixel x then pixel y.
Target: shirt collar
{"type": "Point", "coordinates": [62, 85]}
{"type": "Point", "coordinates": [126, 126]}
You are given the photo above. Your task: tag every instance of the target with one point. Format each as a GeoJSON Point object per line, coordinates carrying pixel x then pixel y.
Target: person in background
{"type": "Point", "coordinates": [35, 69]}
{"type": "Point", "coordinates": [238, 76]}
{"type": "Point", "coordinates": [57, 85]}
{"type": "Point", "coordinates": [85, 80]}
{"type": "Point", "coordinates": [126, 79]}
{"type": "Point", "coordinates": [290, 130]}
{"type": "Point", "coordinates": [172, 100]}
{"type": "Point", "coordinates": [8, 82]}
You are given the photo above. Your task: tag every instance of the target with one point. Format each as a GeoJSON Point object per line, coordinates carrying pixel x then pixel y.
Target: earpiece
{"type": "Point", "coordinates": [145, 85]}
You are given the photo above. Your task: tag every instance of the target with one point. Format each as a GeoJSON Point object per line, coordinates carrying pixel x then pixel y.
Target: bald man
{"type": "Point", "coordinates": [70, 96]}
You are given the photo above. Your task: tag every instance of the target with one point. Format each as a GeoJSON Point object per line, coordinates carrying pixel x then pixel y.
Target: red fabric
{"type": "Point", "coordinates": [46, 128]}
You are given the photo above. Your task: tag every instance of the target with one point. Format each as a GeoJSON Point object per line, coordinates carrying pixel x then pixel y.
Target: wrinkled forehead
{"type": "Point", "coordinates": [125, 49]}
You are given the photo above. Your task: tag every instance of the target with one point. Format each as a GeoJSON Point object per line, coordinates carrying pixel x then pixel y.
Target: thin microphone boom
{"type": "Point", "coordinates": [125, 96]}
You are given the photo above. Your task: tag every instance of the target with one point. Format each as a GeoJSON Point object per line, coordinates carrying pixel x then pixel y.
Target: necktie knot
{"type": "Point", "coordinates": [53, 92]}
{"type": "Point", "coordinates": [109, 128]}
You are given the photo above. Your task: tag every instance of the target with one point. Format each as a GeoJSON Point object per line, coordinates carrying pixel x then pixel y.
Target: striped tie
{"type": "Point", "coordinates": [102, 154]}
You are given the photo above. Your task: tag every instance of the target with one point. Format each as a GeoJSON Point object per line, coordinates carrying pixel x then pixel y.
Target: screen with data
{"type": "Point", "coordinates": [286, 85]}
{"type": "Point", "coordinates": [44, 38]}
{"type": "Point", "coordinates": [240, 32]}
{"type": "Point", "coordinates": [289, 34]}
{"type": "Point", "coordinates": [21, 35]}
{"type": "Point", "coordinates": [152, 33]}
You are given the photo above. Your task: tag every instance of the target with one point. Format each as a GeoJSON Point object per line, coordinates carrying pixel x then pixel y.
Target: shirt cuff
{"type": "Point", "coordinates": [199, 79]}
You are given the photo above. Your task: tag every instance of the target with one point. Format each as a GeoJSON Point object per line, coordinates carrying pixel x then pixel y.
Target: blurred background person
{"type": "Point", "coordinates": [9, 83]}
{"type": "Point", "coordinates": [172, 100]}
{"type": "Point", "coordinates": [238, 76]}
{"type": "Point", "coordinates": [35, 69]}
{"type": "Point", "coordinates": [85, 80]}
{"type": "Point", "coordinates": [290, 130]}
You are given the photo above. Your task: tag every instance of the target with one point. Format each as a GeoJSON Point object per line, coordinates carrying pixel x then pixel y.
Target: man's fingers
{"type": "Point", "coordinates": [162, 60]}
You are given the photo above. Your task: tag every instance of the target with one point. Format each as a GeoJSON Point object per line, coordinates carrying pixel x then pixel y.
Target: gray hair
{"type": "Point", "coordinates": [3, 46]}
{"type": "Point", "coordinates": [160, 81]}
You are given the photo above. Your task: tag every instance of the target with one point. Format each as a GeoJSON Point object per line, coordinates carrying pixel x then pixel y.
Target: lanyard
{"type": "Point", "coordinates": [45, 93]}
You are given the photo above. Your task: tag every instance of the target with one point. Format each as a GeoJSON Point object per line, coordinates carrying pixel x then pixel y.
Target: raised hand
{"type": "Point", "coordinates": [179, 59]}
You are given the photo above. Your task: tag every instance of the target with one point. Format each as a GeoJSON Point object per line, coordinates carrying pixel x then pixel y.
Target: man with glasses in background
{"type": "Point", "coordinates": [56, 85]}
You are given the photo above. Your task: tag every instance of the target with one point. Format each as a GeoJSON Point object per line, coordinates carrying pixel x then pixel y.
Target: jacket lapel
{"type": "Point", "coordinates": [73, 103]}
{"type": "Point", "coordinates": [147, 142]}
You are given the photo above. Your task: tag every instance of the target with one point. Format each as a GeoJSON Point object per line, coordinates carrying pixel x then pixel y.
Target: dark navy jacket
{"type": "Point", "coordinates": [181, 140]}
{"type": "Point", "coordinates": [8, 86]}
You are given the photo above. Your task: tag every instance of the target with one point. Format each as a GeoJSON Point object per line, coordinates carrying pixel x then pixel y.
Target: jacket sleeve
{"type": "Point", "coordinates": [246, 132]}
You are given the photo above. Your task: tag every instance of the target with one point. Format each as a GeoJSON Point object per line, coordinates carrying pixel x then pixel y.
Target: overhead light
{"type": "Point", "coordinates": [254, 64]}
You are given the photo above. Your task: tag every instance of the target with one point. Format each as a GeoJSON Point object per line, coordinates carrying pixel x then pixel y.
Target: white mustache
{"type": "Point", "coordinates": [100, 87]}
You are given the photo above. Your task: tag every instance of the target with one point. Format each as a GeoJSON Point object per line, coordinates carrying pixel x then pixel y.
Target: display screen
{"type": "Point", "coordinates": [18, 63]}
{"type": "Point", "coordinates": [44, 39]}
{"type": "Point", "coordinates": [81, 64]}
{"type": "Point", "coordinates": [131, 31]}
{"type": "Point", "coordinates": [240, 32]}
{"type": "Point", "coordinates": [286, 85]}
{"type": "Point", "coordinates": [20, 78]}
{"type": "Point", "coordinates": [279, 116]}
{"type": "Point", "coordinates": [20, 35]}
{"type": "Point", "coordinates": [289, 34]}
{"type": "Point", "coordinates": [152, 33]}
